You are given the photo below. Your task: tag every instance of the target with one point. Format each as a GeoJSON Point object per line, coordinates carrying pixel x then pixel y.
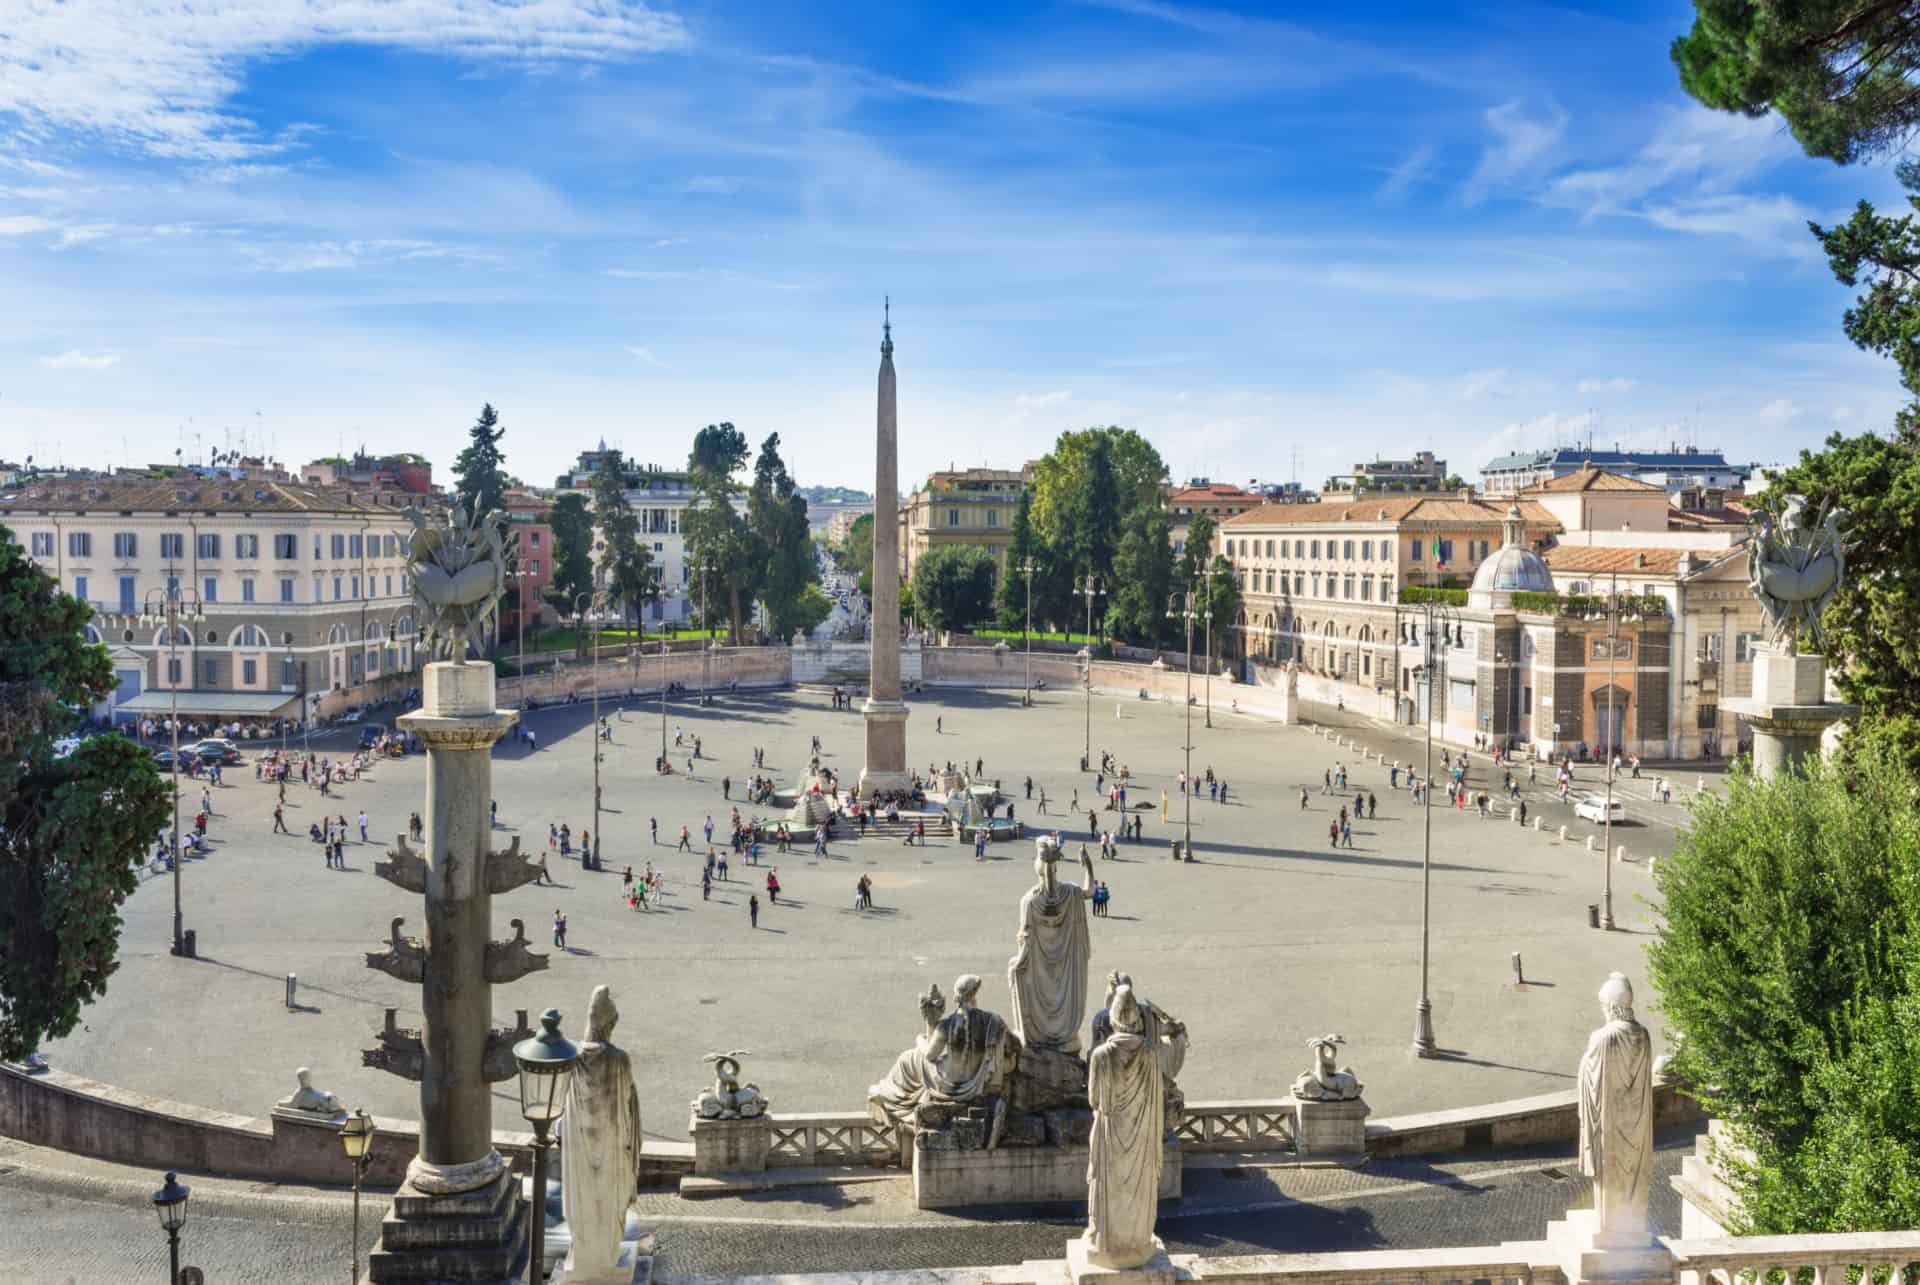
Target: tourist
{"type": "Point", "coordinates": [720, 866]}
{"type": "Point", "coordinates": [653, 830]}
{"type": "Point", "coordinates": [706, 884]}
{"type": "Point", "coordinates": [686, 840]}
{"type": "Point", "coordinates": [753, 911]}
{"type": "Point", "coordinates": [773, 886]}
{"type": "Point", "coordinates": [280, 820]}
{"type": "Point", "coordinates": [863, 894]}
{"type": "Point", "coordinates": [726, 787]}
{"type": "Point", "coordinates": [1303, 800]}
{"type": "Point", "coordinates": [1333, 834]}
{"type": "Point", "coordinates": [363, 825]}
{"type": "Point", "coordinates": [560, 929]}
{"type": "Point", "coordinates": [1372, 804]}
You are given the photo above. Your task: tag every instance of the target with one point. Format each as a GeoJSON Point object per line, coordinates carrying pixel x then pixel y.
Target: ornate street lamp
{"type": "Point", "coordinates": [168, 607]}
{"type": "Point", "coordinates": [1185, 612]}
{"type": "Point", "coordinates": [1089, 587]}
{"type": "Point", "coordinates": [170, 1204]}
{"type": "Point", "coordinates": [545, 1062]}
{"type": "Point", "coordinates": [356, 1136]}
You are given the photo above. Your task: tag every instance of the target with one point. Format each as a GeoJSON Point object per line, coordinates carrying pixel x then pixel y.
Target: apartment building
{"type": "Point", "coordinates": [972, 507]}
{"type": "Point", "coordinates": [1217, 500]}
{"type": "Point", "coordinates": [296, 590]}
{"type": "Point", "coordinates": [1421, 473]}
{"type": "Point", "coordinates": [660, 497]}
{"type": "Point", "coordinates": [1676, 469]}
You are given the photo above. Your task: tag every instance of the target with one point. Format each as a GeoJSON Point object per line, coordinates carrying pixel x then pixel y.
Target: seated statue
{"type": "Point", "coordinates": [308, 1098]}
{"type": "Point", "coordinates": [969, 1054]}
{"type": "Point", "coordinates": [894, 1098]}
{"type": "Point", "coordinates": [1324, 1083]}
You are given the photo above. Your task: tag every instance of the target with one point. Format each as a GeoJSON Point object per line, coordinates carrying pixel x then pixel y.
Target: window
{"type": "Point", "coordinates": [339, 547]}
{"type": "Point", "coordinates": [403, 584]}
{"type": "Point", "coordinates": [1299, 548]}
{"type": "Point", "coordinates": [1346, 550]}
{"type": "Point", "coordinates": [356, 586]}
{"type": "Point", "coordinates": [533, 568]}
{"type": "Point", "coordinates": [207, 545]}
{"type": "Point", "coordinates": [1299, 583]}
{"type": "Point", "coordinates": [286, 671]}
{"type": "Point", "coordinates": [1316, 549]}
{"type": "Point", "coordinates": [79, 544]}
{"type": "Point", "coordinates": [246, 590]}
{"type": "Point", "coordinates": [1709, 718]}
{"type": "Point", "coordinates": [43, 544]}
{"type": "Point", "coordinates": [173, 546]}
{"type": "Point", "coordinates": [246, 546]}
{"type": "Point", "coordinates": [249, 672]}
{"type": "Point", "coordinates": [389, 580]}
{"type": "Point", "coordinates": [211, 668]}
{"type": "Point", "coordinates": [316, 548]}
{"type": "Point", "coordinates": [659, 546]}
{"type": "Point", "coordinates": [1526, 701]}
{"type": "Point", "coordinates": [336, 588]}
{"type": "Point", "coordinates": [128, 598]}
{"type": "Point", "coordinates": [393, 544]}
{"type": "Point", "coordinates": [533, 539]}
{"type": "Point", "coordinates": [1413, 550]}
{"type": "Point", "coordinates": [953, 517]}
{"type": "Point", "coordinates": [1269, 582]}
{"type": "Point", "coordinates": [209, 589]}
{"type": "Point", "coordinates": [1366, 551]}
{"type": "Point", "coordinates": [1709, 647]}
{"type": "Point", "coordinates": [1348, 587]}
{"type": "Point", "coordinates": [80, 588]}
{"type": "Point", "coordinates": [353, 546]}
{"type": "Point", "coordinates": [1446, 551]}
{"type": "Point", "coordinates": [286, 588]}
{"type": "Point", "coordinates": [125, 545]}
{"type": "Point", "coordinates": [173, 586]}
{"type": "Point", "coordinates": [1366, 588]}
{"type": "Point", "coordinates": [993, 517]}
{"type": "Point", "coordinates": [1743, 645]}
{"type": "Point", "coordinates": [285, 547]}
{"type": "Point", "coordinates": [173, 671]}
{"type": "Point", "coordinates": [1269, 548]}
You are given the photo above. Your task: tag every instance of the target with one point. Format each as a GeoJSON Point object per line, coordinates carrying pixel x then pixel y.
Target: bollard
{"type": "Point", "coordinates": [1590, 843]}
{"type": "Point", "coordinates": [1593, 914]}
{"type": "Point", "coordinates": [1620, 853]}
{"type": "Point", "coordinates": [1514, 812]}
{"type": "Point", "coordinates": [293, 990]}
{"type": "Point", "coordinates": [1653, 864]}
{"type": "Point", "coordinates": [1539, 824]}
{"type": "Point", "coordinates": [1519, 978]}
{"type": "Point", "coordinates": [1563, 835]}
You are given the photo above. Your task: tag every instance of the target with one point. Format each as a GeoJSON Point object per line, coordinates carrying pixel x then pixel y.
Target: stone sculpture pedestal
{"type": "Point", "coordinates": [1583, 1254]}
{"type": "Point", "coordinates": [730, 1146]}
{"type": "Point", "coordinates": [1330, 1128]}
{"type": "Point", "coordinates": [1016, 1175]}
{"type": "Point", "coordinates": [886, 726]}
{"type": "Point", "coordinates": [634, 1267]}
{"type": "Point", "coordinates": [1157, 1270]}
{"type": "Point", "coordinates": [1788, 710]}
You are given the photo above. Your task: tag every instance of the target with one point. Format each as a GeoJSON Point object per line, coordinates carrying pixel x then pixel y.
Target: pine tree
{"type": "Point", "coordinates": [626, 564]}
{"type": "Point", "coordinates": [480, 475]}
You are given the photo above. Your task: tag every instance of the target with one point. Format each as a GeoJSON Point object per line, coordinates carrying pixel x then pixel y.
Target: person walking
{"type": "Point", "coordinates": [363, 825]}
{"type": "Point", "coordinates": [706, 884]}
{"type": "Point", "coordinates": [753, 911]}
{"type": "Point", "coordinates": [686, 840]}
{"type": "Point", "coordinates": [560, 929]}
{"type": "Point", "coordinates": [1372, 803]}
{"type": "Point", "coordinates": [280, 820]}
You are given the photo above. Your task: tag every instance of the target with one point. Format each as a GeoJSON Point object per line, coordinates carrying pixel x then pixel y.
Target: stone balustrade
{"type": "Point", "coordinates": [1507, 1264]}
{"type": "Point", "coordinates": [1263, 1125]}
{"type": "Point", "coordinates": [804, 1138]}
{"type": "Point", "coordinates": [1829, 1259]}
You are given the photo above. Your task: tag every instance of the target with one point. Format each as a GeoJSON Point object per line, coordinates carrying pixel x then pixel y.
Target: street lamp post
{"type": "Point", "coordinates": [1184, 612]}
{"type": "Point", "coordinates": [356, 1137]}
{"type": "Point", "coordinates": [590, 861]}
{"type": "Point", "coordinates": [168, 607]}
{"type": "Point", "coordinates": [1611, 747]}
{"type": "Point", "coordinates": [1423, 1042]}
{"type": "Point", "coordinates": [661, 767]}
{"type": "Point", "coordinates": [1026, 634]}
{"type": "Point", "coordinates": [544, 1061]}
{"type": "Point", "coordinates": [287, 680]}
{"type": "Point", "coordinates": [170, 1204]}
{"type": "Point", "coordinates": [1206, 607]}
{"type": "Point", "coordinates": [1089, 587]}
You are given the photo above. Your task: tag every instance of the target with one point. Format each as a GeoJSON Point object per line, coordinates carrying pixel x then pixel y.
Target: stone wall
{"type": "Point", "coordinates": [752, 668]}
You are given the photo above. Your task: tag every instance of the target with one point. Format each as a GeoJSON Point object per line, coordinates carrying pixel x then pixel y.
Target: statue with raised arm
{"type": "Point", "coordinates": [458, 565]}
{"type": "Point", "coordinates": [1048, 971]}
{"type": "Point", "coordinates": [1616, 1119]}
{"type": "Point", "coordinates": [600, 1158]}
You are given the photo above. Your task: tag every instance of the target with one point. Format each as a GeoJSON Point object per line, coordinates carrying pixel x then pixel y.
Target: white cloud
{"type": "Point", "coordinates": [1706, 151]}
{"type": "Point", "coordinates": [1034, 401]}
{"type": "Point", "coordinates": [23, 224]}
{"type": "Point", "coordinates": [1779, 411]}
{"type": "Point", "coordinates": [1409, 173]}
{"type": "Point", "coordinates": [159, 76]}
{"type": "Point", "coordinates": [646, 355]}
{"type": "Point", "coordinates": [712, 185]}
{"type": "Point", "coordinates": [1520, 145]}
{"type": "Point", "coordinates": [77, 360]}
{"type": "Point", "coordinates": [322, 256]}
{"type": "Point", "coordinates": [1484, 384]}
{"type": "Point", "coordinates": [1776, 225]}
{"type": "Point", "coordinates": [1618, 384]}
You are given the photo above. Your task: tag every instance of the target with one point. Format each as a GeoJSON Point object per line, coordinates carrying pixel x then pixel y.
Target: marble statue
{"type": "Point", "coordinates": [1325, 1083]}
{"type": "Point", "coordinates": [600, 1161]}
{"type": "Point", "coordinates": [1616, 1119]}
{"type": "Point", "coordinates": [1164, 1033]}
{"type": "Point", "coordinates": [969, 1052]}
{"type": "Point", "coordinates": [729, 1099]}
{"type": "Point", "coordinates": [458, 562]}
{"type": "Point", "coordinates": [894, 1098]}
{"type": "Point", "coordinates": [1125, 1149]}
{"type": "Point", "coordinates": [1048, 972]}
{"type": "Point", "coordinates": [1798, 564]}
{"type": "Point", "coordinates": [308, 1098]}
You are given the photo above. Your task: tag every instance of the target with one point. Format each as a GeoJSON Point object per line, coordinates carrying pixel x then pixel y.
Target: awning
{"type": "Point", "coordinates": [160, 702]}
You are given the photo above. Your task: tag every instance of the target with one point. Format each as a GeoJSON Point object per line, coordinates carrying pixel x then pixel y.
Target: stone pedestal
{"type": "Point", "coordinates": [730, 1146]}
{"type": "Point", "coordinates": [1016, 1175]}
{"type": "Point", "coordinates": [885, 768]}
{"type": "Point", "coordinates": [1788, 710]}
{"type": "Point", "coordinates": [1330, 1128]}
{"type": "Point", "coordinates": [1157, 1270]}
{"type": "Point", "coordinates": [1583, 1254]}
{"type": "Point", "coordinates": [477, 1235]}
{"type": "Point", "coordinates": [634, 1267]}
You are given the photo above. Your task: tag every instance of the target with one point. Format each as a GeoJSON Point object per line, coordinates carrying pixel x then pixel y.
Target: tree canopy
{"type": "Point", "coordinates": [479, 472]}
{"type": "Point", "coordinates": [726, 558]}
{"type": "Point", "coordinates": [777, 518]}
{"type": "Point", "coordinates": [73, 829]}
{"type": "Point", "coordinates": [1143, 578]}
{"type": "Point", "coordinates": [953, 586]}
{"type": "Point", "coordinates": [626, 563]}
{"type": "Point", "coordinates": [572, 525]}
{"type": "Point", "coordinates": [1134, 467]}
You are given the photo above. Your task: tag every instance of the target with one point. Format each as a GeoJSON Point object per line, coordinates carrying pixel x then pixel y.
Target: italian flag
{"type": "Point", "coordinates": [1438, 561]}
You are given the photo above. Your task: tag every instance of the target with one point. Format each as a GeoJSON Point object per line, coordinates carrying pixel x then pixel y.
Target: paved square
{"type": "Point", "coordinates": [1272, 937]}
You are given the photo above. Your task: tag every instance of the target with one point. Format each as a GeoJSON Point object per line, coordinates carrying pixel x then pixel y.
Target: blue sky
{"type": "Point", "coordinates": [1270, 239]}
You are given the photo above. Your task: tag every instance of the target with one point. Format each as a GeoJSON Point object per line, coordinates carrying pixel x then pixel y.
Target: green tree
{"type": "Point", "coordinates": [860, 551]}
{"type": "Point", "coordinates": [626, 564]}
{"type": "Point", "coordinates": [777, 516]}
{"type": "Point", "coordinates": [1143, 578]}
{"type": "Point", "coordinates": [812, 607]}
{"type": "Point", "coordinates": [953, 586]}
{"type": "Point", "coordinates": [1221, 602]}
{"type": "Point", "coordinates": [479, 472]}
{"type": "Point", "coordinates": [73, 829]}
{"type": "Point", "coordinates": [1093, 514]}
{"type": "Point", "coordinates": [1841, 73]}
{"type": "Point", "coordinates": [1137, 470]}
{"type": "Point", "coordinates": [1198, 548]}
{"type": "Point", "coordinates": [571, 522]}
{"type": "Point", "coordinates": [1788, 967]}
{"type": "Point", "coordinates": [727, 557]}
{"type": "Point", "coordinates": [1023, 547]}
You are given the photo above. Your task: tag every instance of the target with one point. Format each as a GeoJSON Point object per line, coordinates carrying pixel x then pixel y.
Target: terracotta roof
{"type": "Point", "coordinates": [1590, 559]}
{"type": "Point", "coordinates": [195, 495]}
{"type": "Point", "coordinates": [1219, 491]}
{"type": "Point", "coordinates": [1590, 479]}
{"type": "Point", "coordinates": [1701, 519]}
{"type": "Point", "coordinates": [1393, 509]}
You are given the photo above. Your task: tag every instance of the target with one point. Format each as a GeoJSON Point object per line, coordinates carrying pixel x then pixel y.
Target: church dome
{"type": "Point", "coordinates": [1514, 568]}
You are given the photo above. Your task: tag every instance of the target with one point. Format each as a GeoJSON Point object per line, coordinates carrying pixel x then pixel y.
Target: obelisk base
{"type": "Point", "coordinates": [470, 1236]}
{"type": "Point", "coordinates": [886, 767]}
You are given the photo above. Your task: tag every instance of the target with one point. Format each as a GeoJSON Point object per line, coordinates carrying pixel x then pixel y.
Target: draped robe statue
{"type": "Point", "coordinates": [1616, 1119]}
{"type": "Point", "coordinates": [1048, 972]}
{"type": "Point", "coordinates": [1165, 1034]}
{"type": "Point", "coordinates": [1124, 1154]}
{"type": "Point", "coordinates": [600, 1156]}
{"type": "Point", "coordinates": [893, 1099]}
{"type": "Point", "coordinates": [969, 1052]}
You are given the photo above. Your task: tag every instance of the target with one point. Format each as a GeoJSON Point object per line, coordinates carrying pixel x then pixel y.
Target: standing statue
{"type": "Point", "coordinates": [458, 564]}
{"type": "Point", "coordinates": [1048, 972]}
{"type": "Point", "coordinates": [1165, 1034]}
{"type": "Point", "coordinates": [1616, 1119]}
{"type": "Point", "coordinates": [600, 1160]}
{"type": "Point", "coordinates": [1125, 1149]}
{"type": "Point", "coordinates": [1798, 564]}
{"type": "Point", "coordinates": [894, 1098]}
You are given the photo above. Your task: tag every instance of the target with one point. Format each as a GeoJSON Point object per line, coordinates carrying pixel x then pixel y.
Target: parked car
{"type": "Point", "coordinates": [371, 733]}
{"type": "Point", "coordinates": [216, 749]}
{"type": "Point", "coordinates": [1593, 807]}
{"type": "Point", "coordinates": [164, 759]}
{"type": "Point", "coordinates": [353, 716]}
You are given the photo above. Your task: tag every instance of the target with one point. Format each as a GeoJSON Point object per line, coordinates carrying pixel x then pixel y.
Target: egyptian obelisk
{"type": "Point", "coordinates": [886, 714]}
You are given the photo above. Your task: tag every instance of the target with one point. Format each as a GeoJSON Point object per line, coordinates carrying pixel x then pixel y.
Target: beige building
{"type": "Point", "coordinates": [1218, 500]}
{"type": "Point", "coordinates": [970, 507]}
{"type": "Point", "coordinates": [301, 591]}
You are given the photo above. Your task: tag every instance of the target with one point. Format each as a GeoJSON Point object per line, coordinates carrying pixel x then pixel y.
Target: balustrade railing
{"type": "Point", "coordinates": [1262, 1125]}
{"type": "Point", "coordinates": [1842, 1258]}
{"type": "Point", "coordinates": [1472, 1265]}
{"type": "Point", "coordinates": [829, 1138]}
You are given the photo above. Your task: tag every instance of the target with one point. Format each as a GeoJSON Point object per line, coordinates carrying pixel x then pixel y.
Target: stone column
{"type": "Point", "coordinates": [886, 713]}
{"type": "Point", "coordinates": [1788, 710]}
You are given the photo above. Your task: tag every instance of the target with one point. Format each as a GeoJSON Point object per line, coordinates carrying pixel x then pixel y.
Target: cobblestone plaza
{"type": "Point", "coordinates": [1273, 936]}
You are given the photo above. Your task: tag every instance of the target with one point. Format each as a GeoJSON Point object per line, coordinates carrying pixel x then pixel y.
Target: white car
{"type": "Point", "coordinates": [1593, 807]}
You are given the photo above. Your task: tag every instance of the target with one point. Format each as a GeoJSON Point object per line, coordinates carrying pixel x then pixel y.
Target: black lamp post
{"type": "Point", "coordinates": [170, 1203]}
{"type": "Point", "coordinates": [356, 1136]}
{"type": "Point", "coordinates": [545, 1061]}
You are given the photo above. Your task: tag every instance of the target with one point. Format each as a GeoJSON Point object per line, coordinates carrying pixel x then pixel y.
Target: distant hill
{"type": "Point", "coordinates": [834, 495]}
